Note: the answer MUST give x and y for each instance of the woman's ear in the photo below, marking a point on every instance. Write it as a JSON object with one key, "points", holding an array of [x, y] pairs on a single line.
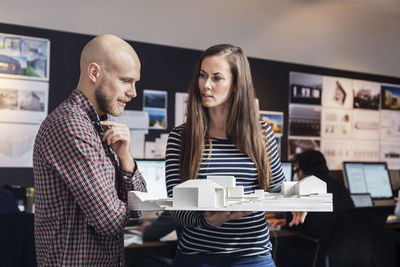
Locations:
{"points": [[94, 72]]}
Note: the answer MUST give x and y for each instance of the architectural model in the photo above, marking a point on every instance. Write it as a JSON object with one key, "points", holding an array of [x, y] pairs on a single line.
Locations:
{"points": [[220, 193]]}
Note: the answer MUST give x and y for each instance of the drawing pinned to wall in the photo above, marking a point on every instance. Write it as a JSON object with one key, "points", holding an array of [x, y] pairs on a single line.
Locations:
{"points": [[24, 57], [365, 124], [390, 97], [180, 108], [155, 103], [16, 144], [337, 92], [390, 152], [299, 145], [274, 119], [305, 120], [366, 94], [336, 123], [390, 125], [305, 88], [23, 101]]}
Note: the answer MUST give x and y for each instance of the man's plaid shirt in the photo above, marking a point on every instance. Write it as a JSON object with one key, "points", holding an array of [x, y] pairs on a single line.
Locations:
{"points": [[80, 190]]}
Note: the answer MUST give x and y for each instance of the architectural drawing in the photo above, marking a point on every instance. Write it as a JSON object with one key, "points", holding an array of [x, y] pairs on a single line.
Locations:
{"points": [[220, 193]]}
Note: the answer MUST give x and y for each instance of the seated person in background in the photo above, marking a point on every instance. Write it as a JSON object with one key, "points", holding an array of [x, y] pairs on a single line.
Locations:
{"points": [[163, 225], [8, 204], [317, 224]]}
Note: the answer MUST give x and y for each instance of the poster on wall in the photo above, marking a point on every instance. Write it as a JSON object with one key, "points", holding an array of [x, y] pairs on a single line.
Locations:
{"points": [[337, 92], [24, 57], [390, 97], [366, 94], [305, 88], [23, 101], [365, 124], [274, 119], [390, 152], [304, 120], [180, 108], [336, 123], [16, 144], [337, 151], [390, 126], [155, 104]]}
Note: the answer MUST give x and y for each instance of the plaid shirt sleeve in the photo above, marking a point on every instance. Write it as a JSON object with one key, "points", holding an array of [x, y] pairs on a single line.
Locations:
{"points": [[74, 148]]}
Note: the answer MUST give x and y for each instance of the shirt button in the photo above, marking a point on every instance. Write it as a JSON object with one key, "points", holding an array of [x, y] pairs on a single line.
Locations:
{"points": [[125, 177]]}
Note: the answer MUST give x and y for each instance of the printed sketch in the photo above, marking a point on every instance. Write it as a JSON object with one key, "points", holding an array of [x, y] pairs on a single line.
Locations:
{"points": [[390, 125], [23, 101], [219, 193], [16, 144], [365, 124], [337, 92], [336, 123], [390, 153]]}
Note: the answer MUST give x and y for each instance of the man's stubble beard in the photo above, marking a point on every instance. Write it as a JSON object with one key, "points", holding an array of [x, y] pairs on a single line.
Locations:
{"points": [[105, 103]]}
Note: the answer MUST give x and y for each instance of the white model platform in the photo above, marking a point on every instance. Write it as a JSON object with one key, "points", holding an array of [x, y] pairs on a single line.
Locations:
{"points": [[220, 193]]}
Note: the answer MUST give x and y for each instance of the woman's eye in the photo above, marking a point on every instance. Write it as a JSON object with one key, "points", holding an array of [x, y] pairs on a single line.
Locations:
{"points": [[202, 75], [217, 78]]}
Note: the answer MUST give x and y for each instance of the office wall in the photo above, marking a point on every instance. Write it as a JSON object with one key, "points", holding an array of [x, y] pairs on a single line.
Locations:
{"points": [[350, 35], [163, 68]]}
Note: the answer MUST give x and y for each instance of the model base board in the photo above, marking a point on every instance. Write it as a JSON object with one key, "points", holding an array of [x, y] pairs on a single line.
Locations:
{"points": [[220, 193]]}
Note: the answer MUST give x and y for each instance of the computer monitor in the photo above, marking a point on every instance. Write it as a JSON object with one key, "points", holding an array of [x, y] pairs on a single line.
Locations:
{"points": [[287, 168], [153, 171], [368, 177]]}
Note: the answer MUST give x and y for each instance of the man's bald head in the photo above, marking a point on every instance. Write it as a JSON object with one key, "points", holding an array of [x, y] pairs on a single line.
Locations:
{"points": [[107, 50], [110, 68]]}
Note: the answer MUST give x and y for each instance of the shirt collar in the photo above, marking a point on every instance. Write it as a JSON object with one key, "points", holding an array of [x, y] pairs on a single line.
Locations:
{"points": [[87, 106]]}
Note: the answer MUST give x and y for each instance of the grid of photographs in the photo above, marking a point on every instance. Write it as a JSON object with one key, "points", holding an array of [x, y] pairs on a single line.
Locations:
{"points": [[24, 91], [348, 120]]}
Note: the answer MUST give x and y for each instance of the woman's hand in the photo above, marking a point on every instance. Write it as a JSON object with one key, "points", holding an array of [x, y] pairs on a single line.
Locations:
{"points": [[217, 218], [298, 217]]}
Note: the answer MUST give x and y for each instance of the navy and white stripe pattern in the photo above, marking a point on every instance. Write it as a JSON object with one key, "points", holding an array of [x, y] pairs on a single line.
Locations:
{"points": [[248, 236]]}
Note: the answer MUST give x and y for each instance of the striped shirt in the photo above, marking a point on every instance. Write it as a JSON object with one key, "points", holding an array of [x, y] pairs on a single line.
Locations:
{"points": [[247, 236], [80, 190]]}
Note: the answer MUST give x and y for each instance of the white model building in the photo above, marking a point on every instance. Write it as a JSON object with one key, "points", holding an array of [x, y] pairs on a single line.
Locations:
{"points": [[218, 193]]}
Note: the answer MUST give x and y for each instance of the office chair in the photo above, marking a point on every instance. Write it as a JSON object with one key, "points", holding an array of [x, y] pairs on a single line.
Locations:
{"points": [[352, 242], [17, 244]]}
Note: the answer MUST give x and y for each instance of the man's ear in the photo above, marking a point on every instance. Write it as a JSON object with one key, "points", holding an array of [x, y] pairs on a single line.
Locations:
{"points": [[94, 72]]}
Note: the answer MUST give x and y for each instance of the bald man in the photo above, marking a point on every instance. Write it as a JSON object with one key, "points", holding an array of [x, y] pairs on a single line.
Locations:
{"points": [[82, 163]]}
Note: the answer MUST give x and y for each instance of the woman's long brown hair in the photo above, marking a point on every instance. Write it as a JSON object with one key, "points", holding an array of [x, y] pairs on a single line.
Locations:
{"points": [[242, 127]]}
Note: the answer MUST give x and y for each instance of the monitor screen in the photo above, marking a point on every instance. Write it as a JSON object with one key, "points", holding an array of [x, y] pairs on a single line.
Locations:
{"points": [[153, 172], [368, 177], [287, 168]]}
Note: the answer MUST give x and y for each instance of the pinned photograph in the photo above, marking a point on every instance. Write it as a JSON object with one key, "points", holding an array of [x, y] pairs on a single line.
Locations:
{"points": [[157, 118], [154, 99], [390, 97], [24, 57], [305, 88], [305, 120], [366, 94], [274, 119]]}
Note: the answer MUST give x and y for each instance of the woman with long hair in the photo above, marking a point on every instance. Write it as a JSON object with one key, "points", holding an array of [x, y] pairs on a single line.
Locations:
{"points": [[223, 136]]}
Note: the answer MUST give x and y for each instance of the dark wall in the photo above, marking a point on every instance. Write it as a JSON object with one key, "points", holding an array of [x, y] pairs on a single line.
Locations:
{"points": [[163, 68]]}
